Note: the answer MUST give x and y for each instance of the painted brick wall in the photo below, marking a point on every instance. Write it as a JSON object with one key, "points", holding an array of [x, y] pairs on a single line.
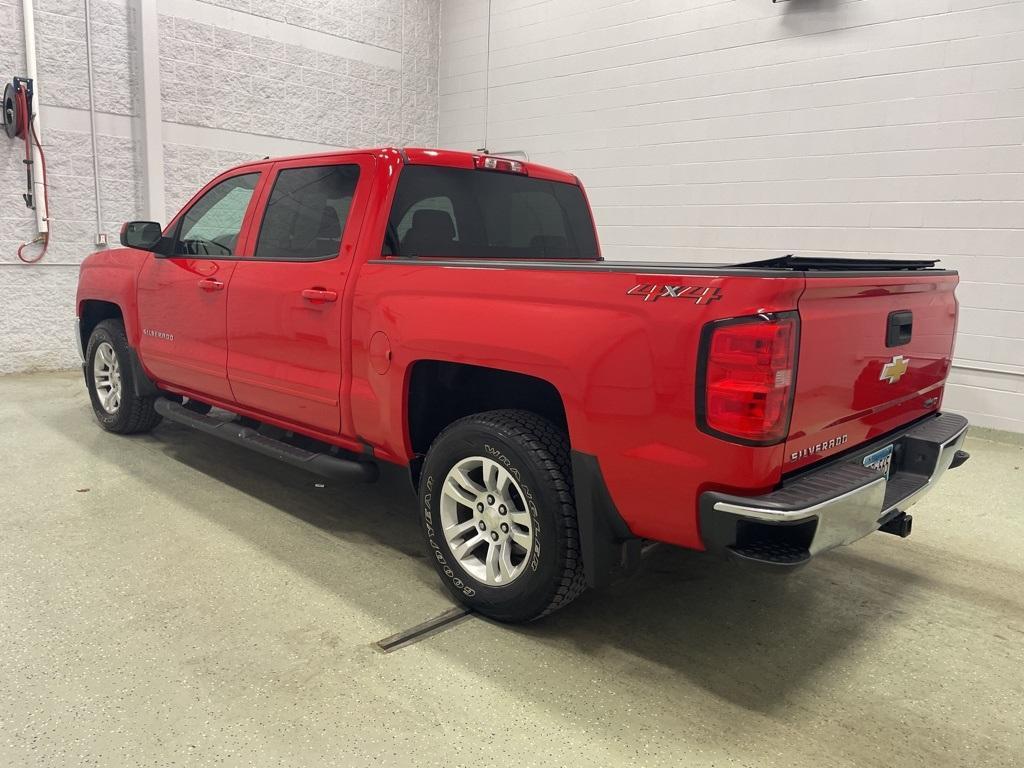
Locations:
{"points": [[38, 301], [361, 72], [378, 22], [717, 130]]}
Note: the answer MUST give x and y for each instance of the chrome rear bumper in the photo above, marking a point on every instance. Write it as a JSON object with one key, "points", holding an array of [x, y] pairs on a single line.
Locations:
{"points": [[835, 504]]}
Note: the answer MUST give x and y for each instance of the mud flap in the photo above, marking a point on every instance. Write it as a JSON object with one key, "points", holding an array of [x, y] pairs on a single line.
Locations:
{"points": [[609, 548]]}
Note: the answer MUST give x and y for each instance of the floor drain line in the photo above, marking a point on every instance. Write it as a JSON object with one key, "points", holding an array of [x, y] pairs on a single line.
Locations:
{"points": [[429, 627]]}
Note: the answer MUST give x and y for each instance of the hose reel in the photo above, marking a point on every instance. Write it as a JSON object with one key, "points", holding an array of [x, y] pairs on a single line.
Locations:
{"points": [[17, 116], [17, 107], [17, 123]]}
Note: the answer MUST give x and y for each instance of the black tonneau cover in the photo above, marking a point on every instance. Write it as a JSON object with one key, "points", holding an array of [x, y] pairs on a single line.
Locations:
{"points": [[784, 266], [815, 263]]}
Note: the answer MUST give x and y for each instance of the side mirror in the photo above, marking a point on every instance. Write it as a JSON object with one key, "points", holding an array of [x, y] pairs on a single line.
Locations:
{"points": [[144, 235]]}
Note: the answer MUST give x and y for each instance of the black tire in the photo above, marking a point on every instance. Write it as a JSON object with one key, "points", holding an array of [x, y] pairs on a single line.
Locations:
{"points": [[134, 414], [536, 453]]}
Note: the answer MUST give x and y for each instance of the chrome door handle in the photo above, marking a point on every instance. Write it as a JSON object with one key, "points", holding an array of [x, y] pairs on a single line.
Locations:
{"points": [[210, 284]]}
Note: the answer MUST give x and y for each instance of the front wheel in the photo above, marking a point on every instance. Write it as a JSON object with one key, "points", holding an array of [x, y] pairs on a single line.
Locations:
{"points": [[110, 378], [499, 517]]}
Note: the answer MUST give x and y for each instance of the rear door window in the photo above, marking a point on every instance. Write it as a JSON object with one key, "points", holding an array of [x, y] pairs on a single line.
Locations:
{"points": [[460, 212], [307, 211]]}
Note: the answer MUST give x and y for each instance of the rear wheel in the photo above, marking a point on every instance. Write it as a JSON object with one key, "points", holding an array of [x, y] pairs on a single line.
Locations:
{"points": [[498, 514], [110, 379]]}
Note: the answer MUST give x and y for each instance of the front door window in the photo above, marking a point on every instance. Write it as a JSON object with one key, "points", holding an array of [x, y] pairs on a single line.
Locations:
{"points": [[211, 226]]}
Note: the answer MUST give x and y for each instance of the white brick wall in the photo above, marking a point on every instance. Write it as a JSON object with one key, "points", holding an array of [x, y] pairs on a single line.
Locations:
{"points": [[717, 130], [358, 72]]}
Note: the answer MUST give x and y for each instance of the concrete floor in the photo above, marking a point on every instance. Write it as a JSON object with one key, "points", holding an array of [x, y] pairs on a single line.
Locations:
{"points": [[169, 599]]}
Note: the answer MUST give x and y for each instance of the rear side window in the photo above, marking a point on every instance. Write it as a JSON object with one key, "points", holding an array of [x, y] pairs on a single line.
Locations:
{"points": [[306, 213], [486, 214]]}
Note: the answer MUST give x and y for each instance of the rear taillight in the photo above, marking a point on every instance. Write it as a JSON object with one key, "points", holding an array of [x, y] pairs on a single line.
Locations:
{"points": [[749, 364]]}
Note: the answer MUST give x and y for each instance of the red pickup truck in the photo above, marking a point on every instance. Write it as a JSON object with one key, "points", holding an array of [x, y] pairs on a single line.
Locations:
{"points": [[451, 312]]}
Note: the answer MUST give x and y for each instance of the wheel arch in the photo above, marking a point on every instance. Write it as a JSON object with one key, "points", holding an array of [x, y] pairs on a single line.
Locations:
{"points": [[440, 392], [92, 312]]}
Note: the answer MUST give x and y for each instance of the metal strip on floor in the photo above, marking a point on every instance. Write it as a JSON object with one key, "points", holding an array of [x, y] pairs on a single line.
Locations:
{"points": [[449, 618]]}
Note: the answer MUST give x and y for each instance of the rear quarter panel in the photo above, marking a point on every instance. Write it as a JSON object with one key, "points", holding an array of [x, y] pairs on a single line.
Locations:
{"points": [[625, 368]]}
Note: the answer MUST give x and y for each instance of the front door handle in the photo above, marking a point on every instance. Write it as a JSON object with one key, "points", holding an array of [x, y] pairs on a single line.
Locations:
{"points": [[319, 294], [211, 284]]}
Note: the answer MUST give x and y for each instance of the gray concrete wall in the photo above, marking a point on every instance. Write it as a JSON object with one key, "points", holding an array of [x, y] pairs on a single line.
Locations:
{"points": [[358, 73], [718, 130]]}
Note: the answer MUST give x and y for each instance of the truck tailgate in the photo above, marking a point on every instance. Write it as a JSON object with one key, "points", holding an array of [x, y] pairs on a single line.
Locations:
{"points": [[874, 355]]}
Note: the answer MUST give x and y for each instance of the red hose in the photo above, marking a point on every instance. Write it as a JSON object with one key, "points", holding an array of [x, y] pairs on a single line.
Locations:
{"points": [[27, 130]]}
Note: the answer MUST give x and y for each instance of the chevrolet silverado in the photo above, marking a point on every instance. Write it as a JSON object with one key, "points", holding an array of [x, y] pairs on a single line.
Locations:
{"points": [[451, 313]]}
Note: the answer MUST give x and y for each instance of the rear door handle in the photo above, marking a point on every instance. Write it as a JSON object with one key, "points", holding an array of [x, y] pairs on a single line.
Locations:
{"points": [[319, 294], [211, 284]]}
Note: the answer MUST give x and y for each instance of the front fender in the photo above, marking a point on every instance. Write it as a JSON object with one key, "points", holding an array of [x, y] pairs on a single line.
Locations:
{"points": [[111, 276]]}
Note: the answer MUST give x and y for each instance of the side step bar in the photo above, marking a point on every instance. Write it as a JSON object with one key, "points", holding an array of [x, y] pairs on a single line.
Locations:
{"points": [[323, 464]]}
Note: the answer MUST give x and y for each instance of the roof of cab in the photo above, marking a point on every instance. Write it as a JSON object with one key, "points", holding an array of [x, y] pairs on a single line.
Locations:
{"points": [[422, 156]]}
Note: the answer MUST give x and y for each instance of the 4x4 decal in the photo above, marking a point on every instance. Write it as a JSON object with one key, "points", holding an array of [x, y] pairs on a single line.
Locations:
{"points": [[697, 293]]}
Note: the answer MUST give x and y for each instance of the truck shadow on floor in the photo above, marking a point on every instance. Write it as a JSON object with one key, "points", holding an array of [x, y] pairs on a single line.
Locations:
{"points": [[753, 638], [750, 638]]}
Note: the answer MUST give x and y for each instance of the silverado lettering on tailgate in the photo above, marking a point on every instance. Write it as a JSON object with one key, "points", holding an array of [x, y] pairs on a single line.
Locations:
{"points": [[827, 445]]}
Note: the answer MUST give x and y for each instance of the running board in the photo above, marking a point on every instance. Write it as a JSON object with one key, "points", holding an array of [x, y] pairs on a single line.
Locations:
{"points": [[323, 464]]}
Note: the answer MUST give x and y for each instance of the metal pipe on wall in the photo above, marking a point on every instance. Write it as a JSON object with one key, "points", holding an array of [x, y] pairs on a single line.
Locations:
{"points": [[152, 120], [29, 28], [92, 123]]}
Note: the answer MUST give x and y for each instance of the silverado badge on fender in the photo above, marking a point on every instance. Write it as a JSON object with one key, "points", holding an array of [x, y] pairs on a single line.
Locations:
{"points": [[893, 370], [696, 293]]}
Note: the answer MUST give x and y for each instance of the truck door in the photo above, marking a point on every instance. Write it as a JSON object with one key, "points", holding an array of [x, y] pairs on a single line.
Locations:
{"points": [[182, 297], [286, 304]]}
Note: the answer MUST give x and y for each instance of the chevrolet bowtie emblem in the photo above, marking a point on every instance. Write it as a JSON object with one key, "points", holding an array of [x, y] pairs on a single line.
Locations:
{"points": [[893, 370]]}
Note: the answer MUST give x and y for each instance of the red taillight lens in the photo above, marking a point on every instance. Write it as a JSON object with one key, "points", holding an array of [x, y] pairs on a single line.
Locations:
{"points": [[750, 372]]}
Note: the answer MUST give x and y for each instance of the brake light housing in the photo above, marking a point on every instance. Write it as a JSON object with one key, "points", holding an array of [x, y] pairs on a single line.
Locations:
{"points": [[747, 377], [491, 163]]}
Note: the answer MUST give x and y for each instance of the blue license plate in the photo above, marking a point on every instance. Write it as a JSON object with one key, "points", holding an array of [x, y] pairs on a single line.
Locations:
{"points": [[880, 460]]}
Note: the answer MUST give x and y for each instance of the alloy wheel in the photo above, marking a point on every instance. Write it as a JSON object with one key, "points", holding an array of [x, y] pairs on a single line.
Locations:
{"points": [[106, 373], [486, 521]]}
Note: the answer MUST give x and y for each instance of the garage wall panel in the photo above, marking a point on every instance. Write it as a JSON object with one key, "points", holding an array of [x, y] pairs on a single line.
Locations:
{"points": [[725, 130], [38, 300], [240, 79]]}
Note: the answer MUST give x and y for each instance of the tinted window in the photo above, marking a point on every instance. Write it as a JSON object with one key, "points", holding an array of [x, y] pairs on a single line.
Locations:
{"points": [[211, 226], [306, 213], [486, 214], [427, 204]]}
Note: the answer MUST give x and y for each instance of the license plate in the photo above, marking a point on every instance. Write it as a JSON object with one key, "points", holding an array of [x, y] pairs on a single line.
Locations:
{"points": [[880, 460]]}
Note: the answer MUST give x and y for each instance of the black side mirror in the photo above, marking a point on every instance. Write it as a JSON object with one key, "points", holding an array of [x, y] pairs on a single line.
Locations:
{"points": [[144, 235]]}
